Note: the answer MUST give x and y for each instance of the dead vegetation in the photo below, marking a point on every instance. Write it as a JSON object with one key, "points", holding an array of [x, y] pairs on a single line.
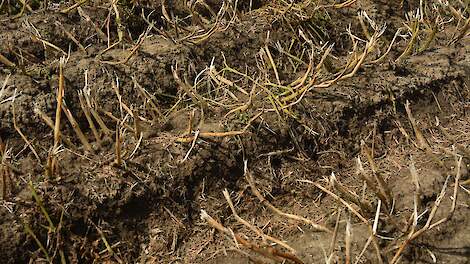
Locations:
{"points": [[124, 121]]}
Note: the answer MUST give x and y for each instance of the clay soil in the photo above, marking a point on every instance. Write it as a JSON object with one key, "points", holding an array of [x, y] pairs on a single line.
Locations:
{"points": [[234, 131]]}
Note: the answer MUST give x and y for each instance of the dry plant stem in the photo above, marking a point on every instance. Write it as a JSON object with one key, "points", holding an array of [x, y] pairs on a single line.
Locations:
{"points": [[189, 129], [3, 183], [383, 188], [76, 128], [415, 179], [433, 27], [30, 232], [367, 49], [347, 240], [454, 197], [462, 32], [41, 206], [6, 61], [72, 7], [349, 195], [374, 240], [137, 145], [2, 90], [273, 98], [337, 198], [105, 241], [197, 99], [25, 139], [358, 258], [186, 139], [46, 43], [273, 64], [95, 114], [205, 36], [70, 36], [219, 79], [99, 32], [60, 95], [255, 229], [117, 120], [119, 29], [216, 77], [301, 81], [414, 38], [381, 58], [50, 124], [345, 4], [4, 172], [118, 95], [365, 30], [370, 182], [141, 39], [335, 235], [305, 88], [196, 135], [159, 31], [100, 122], [62, 257], [377, 217], [118, 146], [428, 226], [25, 5], [58, 233], [266, 203], [87, 113], [269, 252], [150, 99], [467, 182], [51, 165], [137, 126], [245, 106], [421, 141]]}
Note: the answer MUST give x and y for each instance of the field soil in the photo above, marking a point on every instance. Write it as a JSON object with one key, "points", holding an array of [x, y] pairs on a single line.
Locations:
{"points": [[234, 131]]}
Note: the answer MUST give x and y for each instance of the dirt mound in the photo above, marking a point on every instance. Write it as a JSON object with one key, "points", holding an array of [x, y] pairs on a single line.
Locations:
{"points": [[234, 131]]}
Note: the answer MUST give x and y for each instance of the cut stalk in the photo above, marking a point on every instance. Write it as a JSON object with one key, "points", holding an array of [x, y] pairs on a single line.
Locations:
{"points": [[86, 111], [117, 146], [60, 95], [76, 128]]}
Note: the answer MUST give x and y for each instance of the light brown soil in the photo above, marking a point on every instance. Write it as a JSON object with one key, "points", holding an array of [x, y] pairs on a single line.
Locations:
{"points": [[148, 208]]}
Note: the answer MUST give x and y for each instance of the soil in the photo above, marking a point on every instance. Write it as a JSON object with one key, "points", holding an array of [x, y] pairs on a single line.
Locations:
{"points": [[191, 105]]}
